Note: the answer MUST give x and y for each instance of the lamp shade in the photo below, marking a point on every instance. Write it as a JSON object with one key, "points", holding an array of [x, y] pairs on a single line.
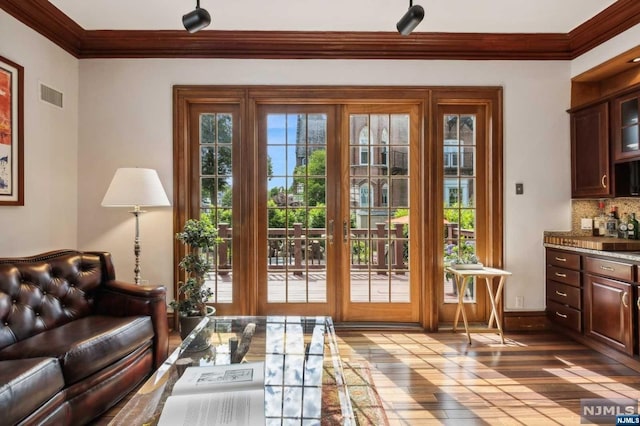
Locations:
{"points": [[132, 187]]}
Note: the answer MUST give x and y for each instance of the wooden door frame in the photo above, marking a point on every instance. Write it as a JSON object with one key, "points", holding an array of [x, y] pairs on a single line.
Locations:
{"points": [[248, 97], [490, 99]]}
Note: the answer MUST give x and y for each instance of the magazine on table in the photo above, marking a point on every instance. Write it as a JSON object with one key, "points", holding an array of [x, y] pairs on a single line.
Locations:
{"points": [[227, 395]]}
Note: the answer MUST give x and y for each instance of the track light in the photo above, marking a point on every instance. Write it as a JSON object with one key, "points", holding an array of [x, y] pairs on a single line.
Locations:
{"points": [[411, 19], [197, 19]]}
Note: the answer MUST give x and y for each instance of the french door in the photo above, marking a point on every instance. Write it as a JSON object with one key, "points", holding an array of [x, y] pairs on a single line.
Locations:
{"points": [[378, 214], [296, 205], [335, 211]]}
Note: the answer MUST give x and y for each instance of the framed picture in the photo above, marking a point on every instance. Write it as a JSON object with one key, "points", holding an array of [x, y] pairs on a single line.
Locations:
{"points": [[11, 133]]}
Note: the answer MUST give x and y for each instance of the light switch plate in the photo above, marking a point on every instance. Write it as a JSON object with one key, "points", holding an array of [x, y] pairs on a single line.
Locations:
{"points": [[519, 188]]}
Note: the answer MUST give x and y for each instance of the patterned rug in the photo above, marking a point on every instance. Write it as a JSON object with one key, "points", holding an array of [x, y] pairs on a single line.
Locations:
{"points": [[366, 403]]}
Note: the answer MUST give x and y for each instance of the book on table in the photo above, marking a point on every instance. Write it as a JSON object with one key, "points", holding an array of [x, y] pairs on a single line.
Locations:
{"points": [[226, 395]]}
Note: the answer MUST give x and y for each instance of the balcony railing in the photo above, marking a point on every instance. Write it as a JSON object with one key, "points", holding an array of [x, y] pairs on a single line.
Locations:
{"points": [[298, 249]]}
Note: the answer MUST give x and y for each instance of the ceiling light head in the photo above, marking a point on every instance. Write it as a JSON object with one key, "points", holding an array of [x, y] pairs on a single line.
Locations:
{"points": [[411, 19], [197, 19]]}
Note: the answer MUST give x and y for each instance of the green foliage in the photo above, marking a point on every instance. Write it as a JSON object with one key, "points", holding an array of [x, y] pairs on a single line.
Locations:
{"points": [[312, 178], [464, 217], [360, 250], [318, 216]]}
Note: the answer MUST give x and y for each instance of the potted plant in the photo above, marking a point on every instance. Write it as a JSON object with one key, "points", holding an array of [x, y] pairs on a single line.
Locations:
{"points": [[461, 257], [200, 238]]}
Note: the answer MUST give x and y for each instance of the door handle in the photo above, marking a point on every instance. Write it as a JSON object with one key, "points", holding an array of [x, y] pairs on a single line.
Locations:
{"points": [[561, 315], [344, 231], [330, 233], [625, 302], [558, 274], [561, 294], [604, 181]]}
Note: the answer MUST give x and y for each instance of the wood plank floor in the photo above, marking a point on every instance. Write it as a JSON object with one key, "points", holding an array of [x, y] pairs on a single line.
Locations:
{"points": [[438, 378]]}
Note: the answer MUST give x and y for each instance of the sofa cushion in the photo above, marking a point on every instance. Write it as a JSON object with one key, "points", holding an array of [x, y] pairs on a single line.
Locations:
{"points": [[43, 292], [86, 345], [27, 384]]}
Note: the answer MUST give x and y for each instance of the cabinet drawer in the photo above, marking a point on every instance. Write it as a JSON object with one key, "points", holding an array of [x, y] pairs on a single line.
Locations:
{"points": [[563, 275], [564, 294], [564, 316], [610, 268], [563, 259]]}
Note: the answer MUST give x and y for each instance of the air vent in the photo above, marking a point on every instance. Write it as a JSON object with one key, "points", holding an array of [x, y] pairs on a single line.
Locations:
{"points": [[51, 96]]}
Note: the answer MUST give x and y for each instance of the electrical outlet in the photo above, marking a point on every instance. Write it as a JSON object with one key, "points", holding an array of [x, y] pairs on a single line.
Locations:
{"points": [[519, 302]]}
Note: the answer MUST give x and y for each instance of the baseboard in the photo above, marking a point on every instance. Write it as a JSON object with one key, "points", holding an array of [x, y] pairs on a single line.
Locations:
{"points": [[525, 321]]}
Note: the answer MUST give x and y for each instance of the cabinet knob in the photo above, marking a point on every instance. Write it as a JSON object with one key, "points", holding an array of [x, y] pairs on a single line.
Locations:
{"points": [[625, 302], [604, 181], [607, 268], [561, 259], [561, 315], [561, 294], [558, 274]]}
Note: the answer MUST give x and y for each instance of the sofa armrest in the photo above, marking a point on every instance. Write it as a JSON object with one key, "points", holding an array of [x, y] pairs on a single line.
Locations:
{"points": [[118, 298]]}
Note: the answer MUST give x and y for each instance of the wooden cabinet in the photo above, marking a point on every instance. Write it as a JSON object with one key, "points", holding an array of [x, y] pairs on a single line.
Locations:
{"points": [[594, 296], [590, 167], [624, 124], [608, 312], [564, 293]]}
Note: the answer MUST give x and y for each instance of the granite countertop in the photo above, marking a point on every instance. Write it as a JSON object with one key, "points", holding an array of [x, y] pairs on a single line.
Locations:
{"points": [[624, 255]]}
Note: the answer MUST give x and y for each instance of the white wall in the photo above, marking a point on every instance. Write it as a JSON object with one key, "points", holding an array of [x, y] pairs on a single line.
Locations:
{"points": [[48, 219], [126, 120]]}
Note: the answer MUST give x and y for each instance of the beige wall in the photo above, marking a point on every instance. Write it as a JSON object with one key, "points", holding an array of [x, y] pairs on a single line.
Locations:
{"points": [[48, 219], [125, 119]]}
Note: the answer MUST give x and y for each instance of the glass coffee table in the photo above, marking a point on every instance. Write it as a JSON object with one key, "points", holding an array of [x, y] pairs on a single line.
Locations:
{"points": [[304, 382]]}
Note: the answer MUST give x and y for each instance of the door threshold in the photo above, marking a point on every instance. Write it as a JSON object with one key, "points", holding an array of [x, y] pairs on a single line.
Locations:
{"points": [[372, 326]]}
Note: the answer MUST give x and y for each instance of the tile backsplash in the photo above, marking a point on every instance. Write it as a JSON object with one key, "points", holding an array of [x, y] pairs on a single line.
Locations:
{"points": [[589, 209]]}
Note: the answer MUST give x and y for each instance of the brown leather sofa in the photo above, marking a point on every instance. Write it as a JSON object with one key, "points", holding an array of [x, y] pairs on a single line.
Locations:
{"points": [[73, 339]]}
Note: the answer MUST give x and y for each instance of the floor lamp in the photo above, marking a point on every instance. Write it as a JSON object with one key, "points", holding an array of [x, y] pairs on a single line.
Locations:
{"points": [[135, 188]]}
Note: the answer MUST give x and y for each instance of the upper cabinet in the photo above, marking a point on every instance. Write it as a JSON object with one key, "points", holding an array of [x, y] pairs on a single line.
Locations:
{"points": [[590, 167], [624, 123]]}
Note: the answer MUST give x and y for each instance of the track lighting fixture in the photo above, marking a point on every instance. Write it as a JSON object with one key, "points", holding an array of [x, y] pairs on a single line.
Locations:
{"points": [[411, 19], [197, 19]]}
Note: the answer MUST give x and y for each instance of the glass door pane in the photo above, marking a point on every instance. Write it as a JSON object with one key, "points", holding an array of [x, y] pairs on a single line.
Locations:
{"points": [[216, 186], [459, 198], [296, 207], [380, 215]]}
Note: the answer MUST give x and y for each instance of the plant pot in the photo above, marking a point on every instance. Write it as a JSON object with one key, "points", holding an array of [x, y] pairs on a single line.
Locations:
{"points": [[188, 323], [463, 266]]}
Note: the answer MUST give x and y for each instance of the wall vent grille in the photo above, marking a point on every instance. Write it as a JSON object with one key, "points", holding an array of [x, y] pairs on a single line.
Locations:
{"points": [[51, 96]]}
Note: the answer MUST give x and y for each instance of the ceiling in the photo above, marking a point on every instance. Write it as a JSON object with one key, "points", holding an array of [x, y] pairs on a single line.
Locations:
{"points": [[329, 29], [484, 16]]}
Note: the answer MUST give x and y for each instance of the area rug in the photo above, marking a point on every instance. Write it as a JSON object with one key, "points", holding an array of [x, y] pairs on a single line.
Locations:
{"points": [[366, 403]]}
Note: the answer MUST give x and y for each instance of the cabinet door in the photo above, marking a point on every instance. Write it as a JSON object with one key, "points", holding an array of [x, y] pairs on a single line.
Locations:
{"points": [[626, 142], [608, 312], [590, 175]]}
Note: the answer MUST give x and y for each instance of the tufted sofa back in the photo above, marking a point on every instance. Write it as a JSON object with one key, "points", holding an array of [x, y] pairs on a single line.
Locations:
{"points": [[42, 292]]}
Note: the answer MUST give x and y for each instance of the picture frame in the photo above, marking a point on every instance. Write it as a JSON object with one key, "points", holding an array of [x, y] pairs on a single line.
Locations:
{"points": [[11, 133]]}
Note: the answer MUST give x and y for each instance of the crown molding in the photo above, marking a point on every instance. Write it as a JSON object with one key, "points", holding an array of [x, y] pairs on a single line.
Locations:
{"points": [[49, 21], [615, 19], [322, 45]]}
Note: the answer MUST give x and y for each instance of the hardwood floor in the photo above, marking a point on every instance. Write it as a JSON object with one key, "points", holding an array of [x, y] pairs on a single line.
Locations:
{"points": [[437, 378]]}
